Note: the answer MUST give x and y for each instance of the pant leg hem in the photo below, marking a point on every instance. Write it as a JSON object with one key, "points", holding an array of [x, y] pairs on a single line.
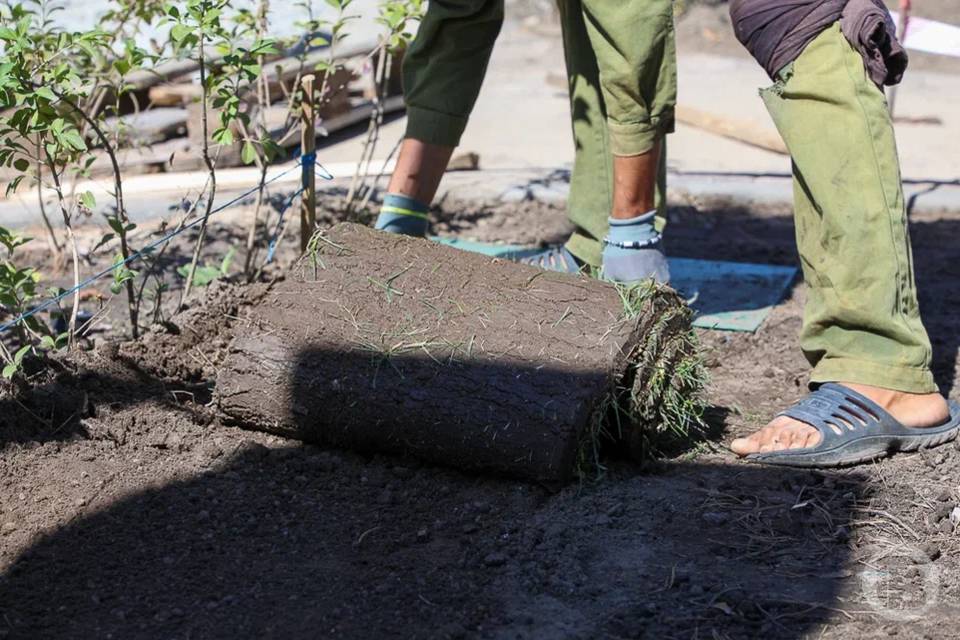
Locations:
{"points": [[434, 127], [585, 248], [876, 374], [638, 138]]}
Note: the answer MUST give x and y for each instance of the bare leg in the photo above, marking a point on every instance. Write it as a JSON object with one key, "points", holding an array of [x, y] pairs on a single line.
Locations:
{"points": [[635, 184], [632, 251], [419, 170]]}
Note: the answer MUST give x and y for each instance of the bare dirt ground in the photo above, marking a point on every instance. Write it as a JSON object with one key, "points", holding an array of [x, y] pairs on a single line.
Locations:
{"points": [[128, 510]]}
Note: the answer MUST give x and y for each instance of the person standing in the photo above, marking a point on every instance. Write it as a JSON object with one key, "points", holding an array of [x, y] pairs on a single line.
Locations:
{"points": [[873, 391]]}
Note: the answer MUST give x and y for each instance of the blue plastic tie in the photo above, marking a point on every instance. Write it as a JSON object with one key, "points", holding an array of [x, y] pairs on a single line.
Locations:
{"points": [[307, 160]]}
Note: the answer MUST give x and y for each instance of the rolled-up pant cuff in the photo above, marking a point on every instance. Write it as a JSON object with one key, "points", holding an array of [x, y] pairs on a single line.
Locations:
{"points": [[638, 138], [434, 127], [586, 249], [875, 374]]}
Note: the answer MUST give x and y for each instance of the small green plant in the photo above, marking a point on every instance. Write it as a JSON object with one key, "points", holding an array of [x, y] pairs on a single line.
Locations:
{"points": [[18, 291], [64, 94], [56, 89], [18, 285], [197, 29], [206, 273]]}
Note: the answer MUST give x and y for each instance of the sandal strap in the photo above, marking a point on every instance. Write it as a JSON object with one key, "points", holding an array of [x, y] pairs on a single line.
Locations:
{"points": [[551, 258], [832, 408]]}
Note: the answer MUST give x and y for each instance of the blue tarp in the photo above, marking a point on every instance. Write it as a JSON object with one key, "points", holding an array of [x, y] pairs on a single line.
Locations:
{"points": [[726, 296]]}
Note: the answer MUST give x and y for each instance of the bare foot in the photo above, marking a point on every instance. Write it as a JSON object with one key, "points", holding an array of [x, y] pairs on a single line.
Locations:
{"points": [[911, 409]]}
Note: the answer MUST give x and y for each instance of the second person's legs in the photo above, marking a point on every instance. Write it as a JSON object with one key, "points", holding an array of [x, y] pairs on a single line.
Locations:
{"points": [[591, 184], [634, 46]]}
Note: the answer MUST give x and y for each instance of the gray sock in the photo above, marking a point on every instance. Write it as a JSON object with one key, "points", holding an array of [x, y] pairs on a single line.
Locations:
{"points": [[632, 251]]}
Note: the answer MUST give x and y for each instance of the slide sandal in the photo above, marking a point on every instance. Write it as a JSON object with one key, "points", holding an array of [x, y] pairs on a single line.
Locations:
{"points": [[853, 429], [550, 259]]}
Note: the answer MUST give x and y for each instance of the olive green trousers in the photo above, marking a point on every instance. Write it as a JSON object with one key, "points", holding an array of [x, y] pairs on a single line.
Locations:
{"points": [[862, 321], [621, 68]]}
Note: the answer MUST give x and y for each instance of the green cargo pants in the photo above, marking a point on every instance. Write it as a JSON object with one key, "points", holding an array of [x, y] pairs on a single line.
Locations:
{"points": [[862, 321], [621, 65]]}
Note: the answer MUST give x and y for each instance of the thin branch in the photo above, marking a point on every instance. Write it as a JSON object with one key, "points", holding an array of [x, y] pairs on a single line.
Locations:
{"points": [[72, 239], [118, 197], [211, 170], [51, 234]]}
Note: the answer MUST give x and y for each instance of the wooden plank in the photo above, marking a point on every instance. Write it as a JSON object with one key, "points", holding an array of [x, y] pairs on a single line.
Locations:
{"points": [[174, 69], [739, 130], [174, 95], [148, 127]]}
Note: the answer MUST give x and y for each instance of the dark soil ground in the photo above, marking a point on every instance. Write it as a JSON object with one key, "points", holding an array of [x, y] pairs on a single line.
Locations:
{"points": [[128, 510]]}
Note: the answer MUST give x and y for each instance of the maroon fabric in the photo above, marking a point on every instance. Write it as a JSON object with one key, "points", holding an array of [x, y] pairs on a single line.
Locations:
{"points": [[869, 27], [776, 32]]}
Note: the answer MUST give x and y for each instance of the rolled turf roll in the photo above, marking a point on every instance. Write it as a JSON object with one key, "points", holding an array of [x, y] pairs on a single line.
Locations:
{"points": [[385, 343]]}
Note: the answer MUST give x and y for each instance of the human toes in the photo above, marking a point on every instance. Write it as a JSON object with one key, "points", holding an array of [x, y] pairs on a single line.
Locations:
{"points": [[782, 433]]}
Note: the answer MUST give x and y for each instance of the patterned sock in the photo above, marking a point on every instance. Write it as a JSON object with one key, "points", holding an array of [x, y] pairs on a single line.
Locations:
{"points": [[404, 215], [632, 251]]}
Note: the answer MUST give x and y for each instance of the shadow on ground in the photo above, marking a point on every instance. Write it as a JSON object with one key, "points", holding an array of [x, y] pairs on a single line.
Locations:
{"points": [[304, 543], [63, 402]]}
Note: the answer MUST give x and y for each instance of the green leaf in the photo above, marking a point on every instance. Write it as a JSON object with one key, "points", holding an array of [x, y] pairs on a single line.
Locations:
{"points": [[107, 237], [21, 352], [227, 261], [204, 274], [46, 93], [88, 200], [249, 152], [72, 138], [271, 149], [9, 370], [223, 136], [179, 32], [21, 164]]}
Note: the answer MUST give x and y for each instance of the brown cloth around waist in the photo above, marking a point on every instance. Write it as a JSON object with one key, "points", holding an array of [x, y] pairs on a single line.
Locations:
{"points": [[776, 32]]}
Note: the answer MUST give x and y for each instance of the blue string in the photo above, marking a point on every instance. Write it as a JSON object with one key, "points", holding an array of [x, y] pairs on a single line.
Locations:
{"points": [[308, 160], [274, 239]]}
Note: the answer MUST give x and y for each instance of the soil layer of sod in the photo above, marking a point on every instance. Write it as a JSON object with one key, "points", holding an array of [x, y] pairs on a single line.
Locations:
{"points": [[129, 510]]}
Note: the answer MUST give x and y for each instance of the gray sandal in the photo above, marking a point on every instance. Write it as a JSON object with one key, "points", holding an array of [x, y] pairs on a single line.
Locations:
{"points": [[854, 429], [555, 258]]}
